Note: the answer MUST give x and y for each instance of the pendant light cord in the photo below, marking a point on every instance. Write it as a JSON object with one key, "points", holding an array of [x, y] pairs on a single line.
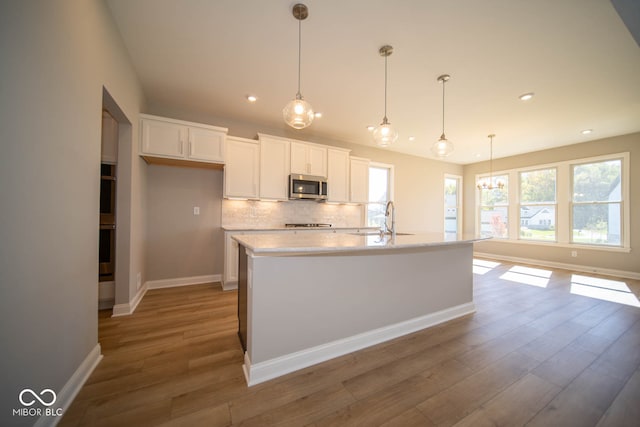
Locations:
{"points": [[385, 89], [299, 54], [443, 82]]}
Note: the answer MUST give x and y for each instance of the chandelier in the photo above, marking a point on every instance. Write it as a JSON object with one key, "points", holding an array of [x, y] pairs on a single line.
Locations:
{"points": [[485, 184]]}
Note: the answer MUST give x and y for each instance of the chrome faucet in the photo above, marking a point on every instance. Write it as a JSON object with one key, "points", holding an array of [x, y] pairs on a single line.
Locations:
{"points": [[390, 211]]}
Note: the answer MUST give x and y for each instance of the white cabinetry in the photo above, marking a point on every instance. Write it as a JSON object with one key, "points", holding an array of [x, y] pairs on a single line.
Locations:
{"points": [[359, 180], [179, 140], [308, 159], [274, 167], [338, 175], [242, 168], [109, 139], [230, 279]]}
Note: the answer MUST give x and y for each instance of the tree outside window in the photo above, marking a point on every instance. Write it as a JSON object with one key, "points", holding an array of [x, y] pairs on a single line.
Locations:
{"points": [[597, 203], [538, 205], [494, 209]]}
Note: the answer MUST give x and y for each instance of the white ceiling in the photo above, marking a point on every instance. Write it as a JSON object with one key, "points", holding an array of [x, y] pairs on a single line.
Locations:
{"points": [[576, 55]]}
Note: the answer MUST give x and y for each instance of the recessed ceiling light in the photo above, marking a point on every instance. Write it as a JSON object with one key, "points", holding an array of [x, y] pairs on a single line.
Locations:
{"points": [[370, 128], [526, 96], [586, 131], [317, 115], [252, 98], [412, 138]]}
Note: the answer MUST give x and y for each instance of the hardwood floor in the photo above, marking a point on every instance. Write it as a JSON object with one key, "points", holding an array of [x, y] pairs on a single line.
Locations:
{"points": [[530, 355]]}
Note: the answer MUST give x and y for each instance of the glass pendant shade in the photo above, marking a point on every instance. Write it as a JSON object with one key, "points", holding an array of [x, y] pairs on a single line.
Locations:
{"points": [[298, 113], [384, 135], [442, 147]]}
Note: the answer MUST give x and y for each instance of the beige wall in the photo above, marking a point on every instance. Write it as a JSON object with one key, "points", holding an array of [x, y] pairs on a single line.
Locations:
{"points": [[56, 58], [600, 260], [179, 243]]}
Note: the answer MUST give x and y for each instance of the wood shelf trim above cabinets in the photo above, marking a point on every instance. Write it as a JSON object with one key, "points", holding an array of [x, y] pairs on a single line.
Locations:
{"points": [[152, 160]]}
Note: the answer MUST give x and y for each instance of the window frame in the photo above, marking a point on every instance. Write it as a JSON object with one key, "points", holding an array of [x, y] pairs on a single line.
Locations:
{"points": [[522, 204], [459, 202], [572, 203], [390, 183], [564, 188]]}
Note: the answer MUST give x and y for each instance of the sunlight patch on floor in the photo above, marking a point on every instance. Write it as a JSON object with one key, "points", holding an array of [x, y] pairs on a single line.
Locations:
{"points": [[528, 276], [603, 289], [481, 266]]}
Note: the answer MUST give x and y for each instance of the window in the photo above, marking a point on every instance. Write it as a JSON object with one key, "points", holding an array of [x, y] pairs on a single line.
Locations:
{"points": [[596, 214], [538, 205], [581, 202], [380, 192], [452, 210], [494, 209]]}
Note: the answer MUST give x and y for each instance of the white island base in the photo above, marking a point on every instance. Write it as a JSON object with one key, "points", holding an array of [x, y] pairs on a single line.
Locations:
{"points": [[302, 305]]}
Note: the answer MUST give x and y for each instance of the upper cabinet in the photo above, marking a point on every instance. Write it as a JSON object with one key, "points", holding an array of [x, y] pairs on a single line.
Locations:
{"points": [[275, 155], [164, 138], [242, 168], [308, 159], [359, 180], [338, 175], [109, 139]]}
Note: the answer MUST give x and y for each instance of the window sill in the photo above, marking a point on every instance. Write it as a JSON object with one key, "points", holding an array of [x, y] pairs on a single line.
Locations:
{"points": [[562, 245]]}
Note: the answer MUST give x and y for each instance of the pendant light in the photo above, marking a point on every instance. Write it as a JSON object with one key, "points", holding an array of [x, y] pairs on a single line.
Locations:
{"points": [[442, 147], [298, 113], [385, 135], [483, 184]]}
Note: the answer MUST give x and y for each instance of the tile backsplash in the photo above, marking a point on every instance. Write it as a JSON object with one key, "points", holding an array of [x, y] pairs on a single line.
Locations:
{"points": [[253, 213]]}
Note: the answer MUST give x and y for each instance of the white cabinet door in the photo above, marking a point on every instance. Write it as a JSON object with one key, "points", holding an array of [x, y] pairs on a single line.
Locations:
{"points": [[299, 162], [359, 180], [109, 139], [241, 170], [317, 158], [274, 168], [230, 262], [338, 175], [163, 139], [308, 159], [206, 145]]}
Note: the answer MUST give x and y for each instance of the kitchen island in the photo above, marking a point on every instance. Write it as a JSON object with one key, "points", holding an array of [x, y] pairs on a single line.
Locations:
{"points": [[306, 298]]}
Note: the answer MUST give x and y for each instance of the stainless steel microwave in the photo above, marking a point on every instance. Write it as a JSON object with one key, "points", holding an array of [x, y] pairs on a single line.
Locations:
{"points": [[307, 187]]}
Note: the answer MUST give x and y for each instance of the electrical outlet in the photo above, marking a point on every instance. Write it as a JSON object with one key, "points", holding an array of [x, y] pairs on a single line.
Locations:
{"points": [[574, 253], [196, 210]]}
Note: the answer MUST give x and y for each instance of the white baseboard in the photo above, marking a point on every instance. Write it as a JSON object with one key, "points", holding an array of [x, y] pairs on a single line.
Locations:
{"points": [[229, 286], [183, 281], [571, 267], [130, 307], [71, 389], [269, 369]]}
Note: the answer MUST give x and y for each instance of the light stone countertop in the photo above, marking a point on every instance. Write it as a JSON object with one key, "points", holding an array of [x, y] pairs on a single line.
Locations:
{"points": [[283, 228], [273, 244]]}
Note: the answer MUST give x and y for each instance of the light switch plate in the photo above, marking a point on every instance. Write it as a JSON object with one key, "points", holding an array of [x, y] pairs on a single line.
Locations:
{"points": [[196, 210]]}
